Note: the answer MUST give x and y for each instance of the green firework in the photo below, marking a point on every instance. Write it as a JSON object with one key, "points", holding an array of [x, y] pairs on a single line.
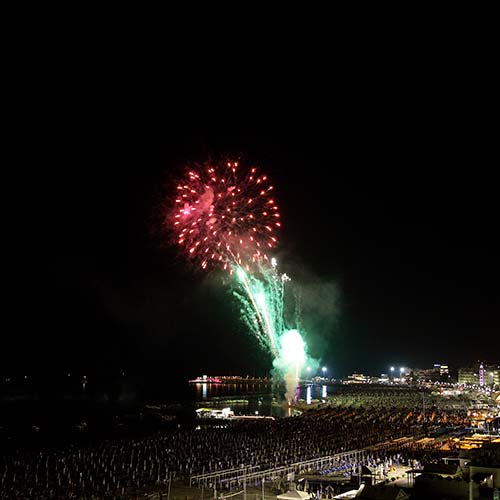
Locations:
{"points": [[262, 298]]}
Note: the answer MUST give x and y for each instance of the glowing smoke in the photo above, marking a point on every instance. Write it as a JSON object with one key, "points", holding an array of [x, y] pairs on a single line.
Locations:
{"points": [[290, 360]]}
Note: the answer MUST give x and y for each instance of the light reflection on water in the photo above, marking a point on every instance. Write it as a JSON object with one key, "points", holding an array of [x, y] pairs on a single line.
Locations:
{"points": [[249, 398]]}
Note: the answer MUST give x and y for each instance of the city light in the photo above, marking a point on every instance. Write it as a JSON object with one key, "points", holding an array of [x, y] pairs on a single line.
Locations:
{"points": [[392, 368]]}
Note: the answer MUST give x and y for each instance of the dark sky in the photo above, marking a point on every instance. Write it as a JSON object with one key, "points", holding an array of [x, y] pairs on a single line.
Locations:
{"points": [[390, 220]]}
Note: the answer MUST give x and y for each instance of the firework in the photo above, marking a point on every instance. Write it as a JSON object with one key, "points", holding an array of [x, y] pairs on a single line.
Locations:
{"points": [[225, 214], [261, 296], [262, 299]]}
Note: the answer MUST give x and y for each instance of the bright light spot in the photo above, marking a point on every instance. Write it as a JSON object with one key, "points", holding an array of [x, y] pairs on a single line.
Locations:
{"points": [[293, 347], [274, 262], [260, 298]]}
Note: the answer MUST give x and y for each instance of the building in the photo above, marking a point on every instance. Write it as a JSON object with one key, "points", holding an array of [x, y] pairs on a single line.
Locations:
{"points": [[438, 373], [481, 374], [468, 376], [214, 413], [444, 370], [492, 376]]}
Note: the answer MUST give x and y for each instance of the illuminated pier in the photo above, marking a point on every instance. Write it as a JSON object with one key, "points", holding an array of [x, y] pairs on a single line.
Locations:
{"points": [[229, 379]]}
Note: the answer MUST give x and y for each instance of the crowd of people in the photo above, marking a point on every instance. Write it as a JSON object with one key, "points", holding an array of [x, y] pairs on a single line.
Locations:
{"points": [[128, 467]]}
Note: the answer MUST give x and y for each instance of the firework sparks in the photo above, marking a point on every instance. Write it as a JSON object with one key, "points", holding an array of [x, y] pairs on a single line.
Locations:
{"points": [[262, 304], [225, 214]]}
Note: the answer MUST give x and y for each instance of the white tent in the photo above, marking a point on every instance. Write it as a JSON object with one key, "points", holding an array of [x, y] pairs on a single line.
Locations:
{"points": [[348, 495], [294, 495], [382, 493]]}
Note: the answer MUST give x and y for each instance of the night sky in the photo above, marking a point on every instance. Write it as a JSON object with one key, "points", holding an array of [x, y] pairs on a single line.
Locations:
{"points": [[390, 226]]}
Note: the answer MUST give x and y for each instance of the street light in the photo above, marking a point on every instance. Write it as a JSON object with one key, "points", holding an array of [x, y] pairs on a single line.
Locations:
{"points": [[323, 370], [392, 368], [401, 370]]}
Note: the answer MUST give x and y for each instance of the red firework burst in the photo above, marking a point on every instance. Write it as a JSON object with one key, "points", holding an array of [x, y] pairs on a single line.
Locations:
{"points": [[225, 214]]}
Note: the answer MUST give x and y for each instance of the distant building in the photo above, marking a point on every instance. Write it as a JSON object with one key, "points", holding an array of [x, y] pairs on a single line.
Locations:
{"points": [[492, 375], [468, 376], [441, 370], [214, 413], [482, 375], [427, 374]]}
